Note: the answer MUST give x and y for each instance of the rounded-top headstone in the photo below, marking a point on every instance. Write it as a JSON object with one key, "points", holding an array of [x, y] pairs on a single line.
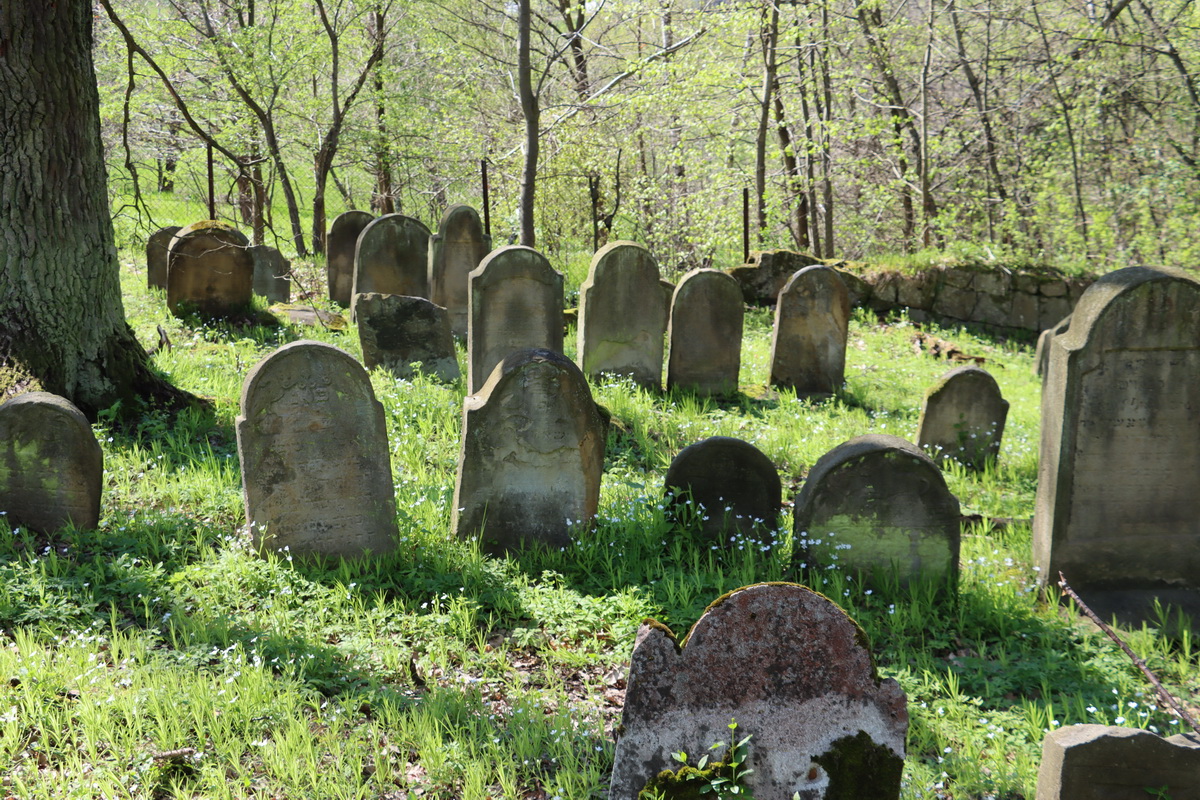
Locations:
{"points": [[339, 254], [454, 253], [734, 485], [210, 269], [808, 344], [392, 257], [963, 418], [157, 252], [705, 333], [51, 465]]}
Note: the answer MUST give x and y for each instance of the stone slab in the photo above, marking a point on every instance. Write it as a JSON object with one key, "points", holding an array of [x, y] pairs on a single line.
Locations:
{"points": [[405, 335], [1101, 762]]}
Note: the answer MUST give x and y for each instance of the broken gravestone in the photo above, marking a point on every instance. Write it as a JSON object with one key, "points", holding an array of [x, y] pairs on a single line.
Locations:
{"points": [[726, 487], [210, 270], [766, 272], [457, 249], [398, 333], [705, 333], [793, 671], [157, 250], [392, 257], [808, 343], [314, 455], [963, 418], [1099, 762], [339, 254], [532, 455], [272, 274], [50, 464]]}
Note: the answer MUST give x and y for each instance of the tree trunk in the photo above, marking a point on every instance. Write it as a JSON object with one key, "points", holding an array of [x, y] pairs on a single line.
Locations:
{"points": [[769, 36], [531, 110], [62, 324]]}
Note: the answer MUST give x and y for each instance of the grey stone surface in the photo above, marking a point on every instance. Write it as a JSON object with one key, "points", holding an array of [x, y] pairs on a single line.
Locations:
{"points": [[808, 344], [1052, 309], [210, 270], [51, 465], [456, 251], [532, 455], [157, 252], [705, 332], [313, 449], [963, 418], [1024, 311], [392, 257], [339, 254], [1099, 762], [1041, 356], [790, 667], [271, 274], [405, 334], [728, 487], [956, 302], [765, 274]]}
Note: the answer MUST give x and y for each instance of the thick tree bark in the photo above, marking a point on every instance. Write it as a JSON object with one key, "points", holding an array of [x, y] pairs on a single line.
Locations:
{"points": [[62, 324], [532, 112]]}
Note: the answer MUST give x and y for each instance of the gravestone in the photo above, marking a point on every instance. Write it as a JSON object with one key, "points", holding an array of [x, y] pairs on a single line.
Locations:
{"points": [[454, 253], [392, 257], [1099, 762], [705, 333], [808, 343], [339, 254], [516, 303], [1041, 356], [51, 465], [877, 503], [157, 250], [210, 270], [963, 418], [792, 669], [271, 274], [532, 455], [398, 332], [1117, 510], [766, 272], [735, 486], [622, 318], [313, 449]]}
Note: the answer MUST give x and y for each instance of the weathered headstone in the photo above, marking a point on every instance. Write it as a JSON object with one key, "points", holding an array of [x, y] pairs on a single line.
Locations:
{"points": [[621, 315], [157, 251], [963, 418], [874, 504], [392, 257], [766, 272], [272, 274], [734, 485], [314, 455], [1098, 762], [1041, 356], [532, 454], [454, 253], [516, 303], [398, 332], [808, 344], [339, 254], [791, 668], [1118, 509], [210, 270], [51, 465], [705, 333]]}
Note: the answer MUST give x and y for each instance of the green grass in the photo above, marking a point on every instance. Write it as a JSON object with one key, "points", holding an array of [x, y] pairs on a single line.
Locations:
{"points": [[157, 657]]}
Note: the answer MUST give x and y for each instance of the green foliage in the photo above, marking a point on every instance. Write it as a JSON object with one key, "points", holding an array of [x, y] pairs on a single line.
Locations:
{"points": [[721, 779]]}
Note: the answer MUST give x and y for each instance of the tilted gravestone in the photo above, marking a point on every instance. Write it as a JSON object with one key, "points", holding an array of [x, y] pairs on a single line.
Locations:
{"points": [[791, 668], [532, 454], [516, 303], [808, 344], [621, 316], [210, 270], [727, 486], [875, 504], [339, 254], [398, 332], [314, 455], [454, 253], [705, 333], [1117, 510], [51, 465], [271, 274], [392, 257], [963, 418], [1099, 762], [157, 251]]}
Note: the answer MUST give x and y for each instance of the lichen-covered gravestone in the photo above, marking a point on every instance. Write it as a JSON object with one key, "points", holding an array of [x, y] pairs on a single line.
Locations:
{"points": [[963, 418], [1099, 762], [392, 257], [808, 344], [457, 249], [157, 252], [1118, 505], [532, 454], [339, 254], [397, 332], [705, 333], [271, 274], [727, 486], [50, 464], [210, 270], [621, 316], [794, 672], [314, 455], [874, 504], [516, 303]]}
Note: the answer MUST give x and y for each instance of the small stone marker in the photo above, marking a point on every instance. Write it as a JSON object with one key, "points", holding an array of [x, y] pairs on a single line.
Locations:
{"points": [[392, 257], [963, 418], [516, 304], [1099, 762], [622, 318], [808, 344], [454, 253], [271, 274], [210, 270], [532, 455], [339, 254], [705, 332], [157, 250], [876, 503], [789, 666], [50, 464], [397, 332], [314, 455], [734, 483]]}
